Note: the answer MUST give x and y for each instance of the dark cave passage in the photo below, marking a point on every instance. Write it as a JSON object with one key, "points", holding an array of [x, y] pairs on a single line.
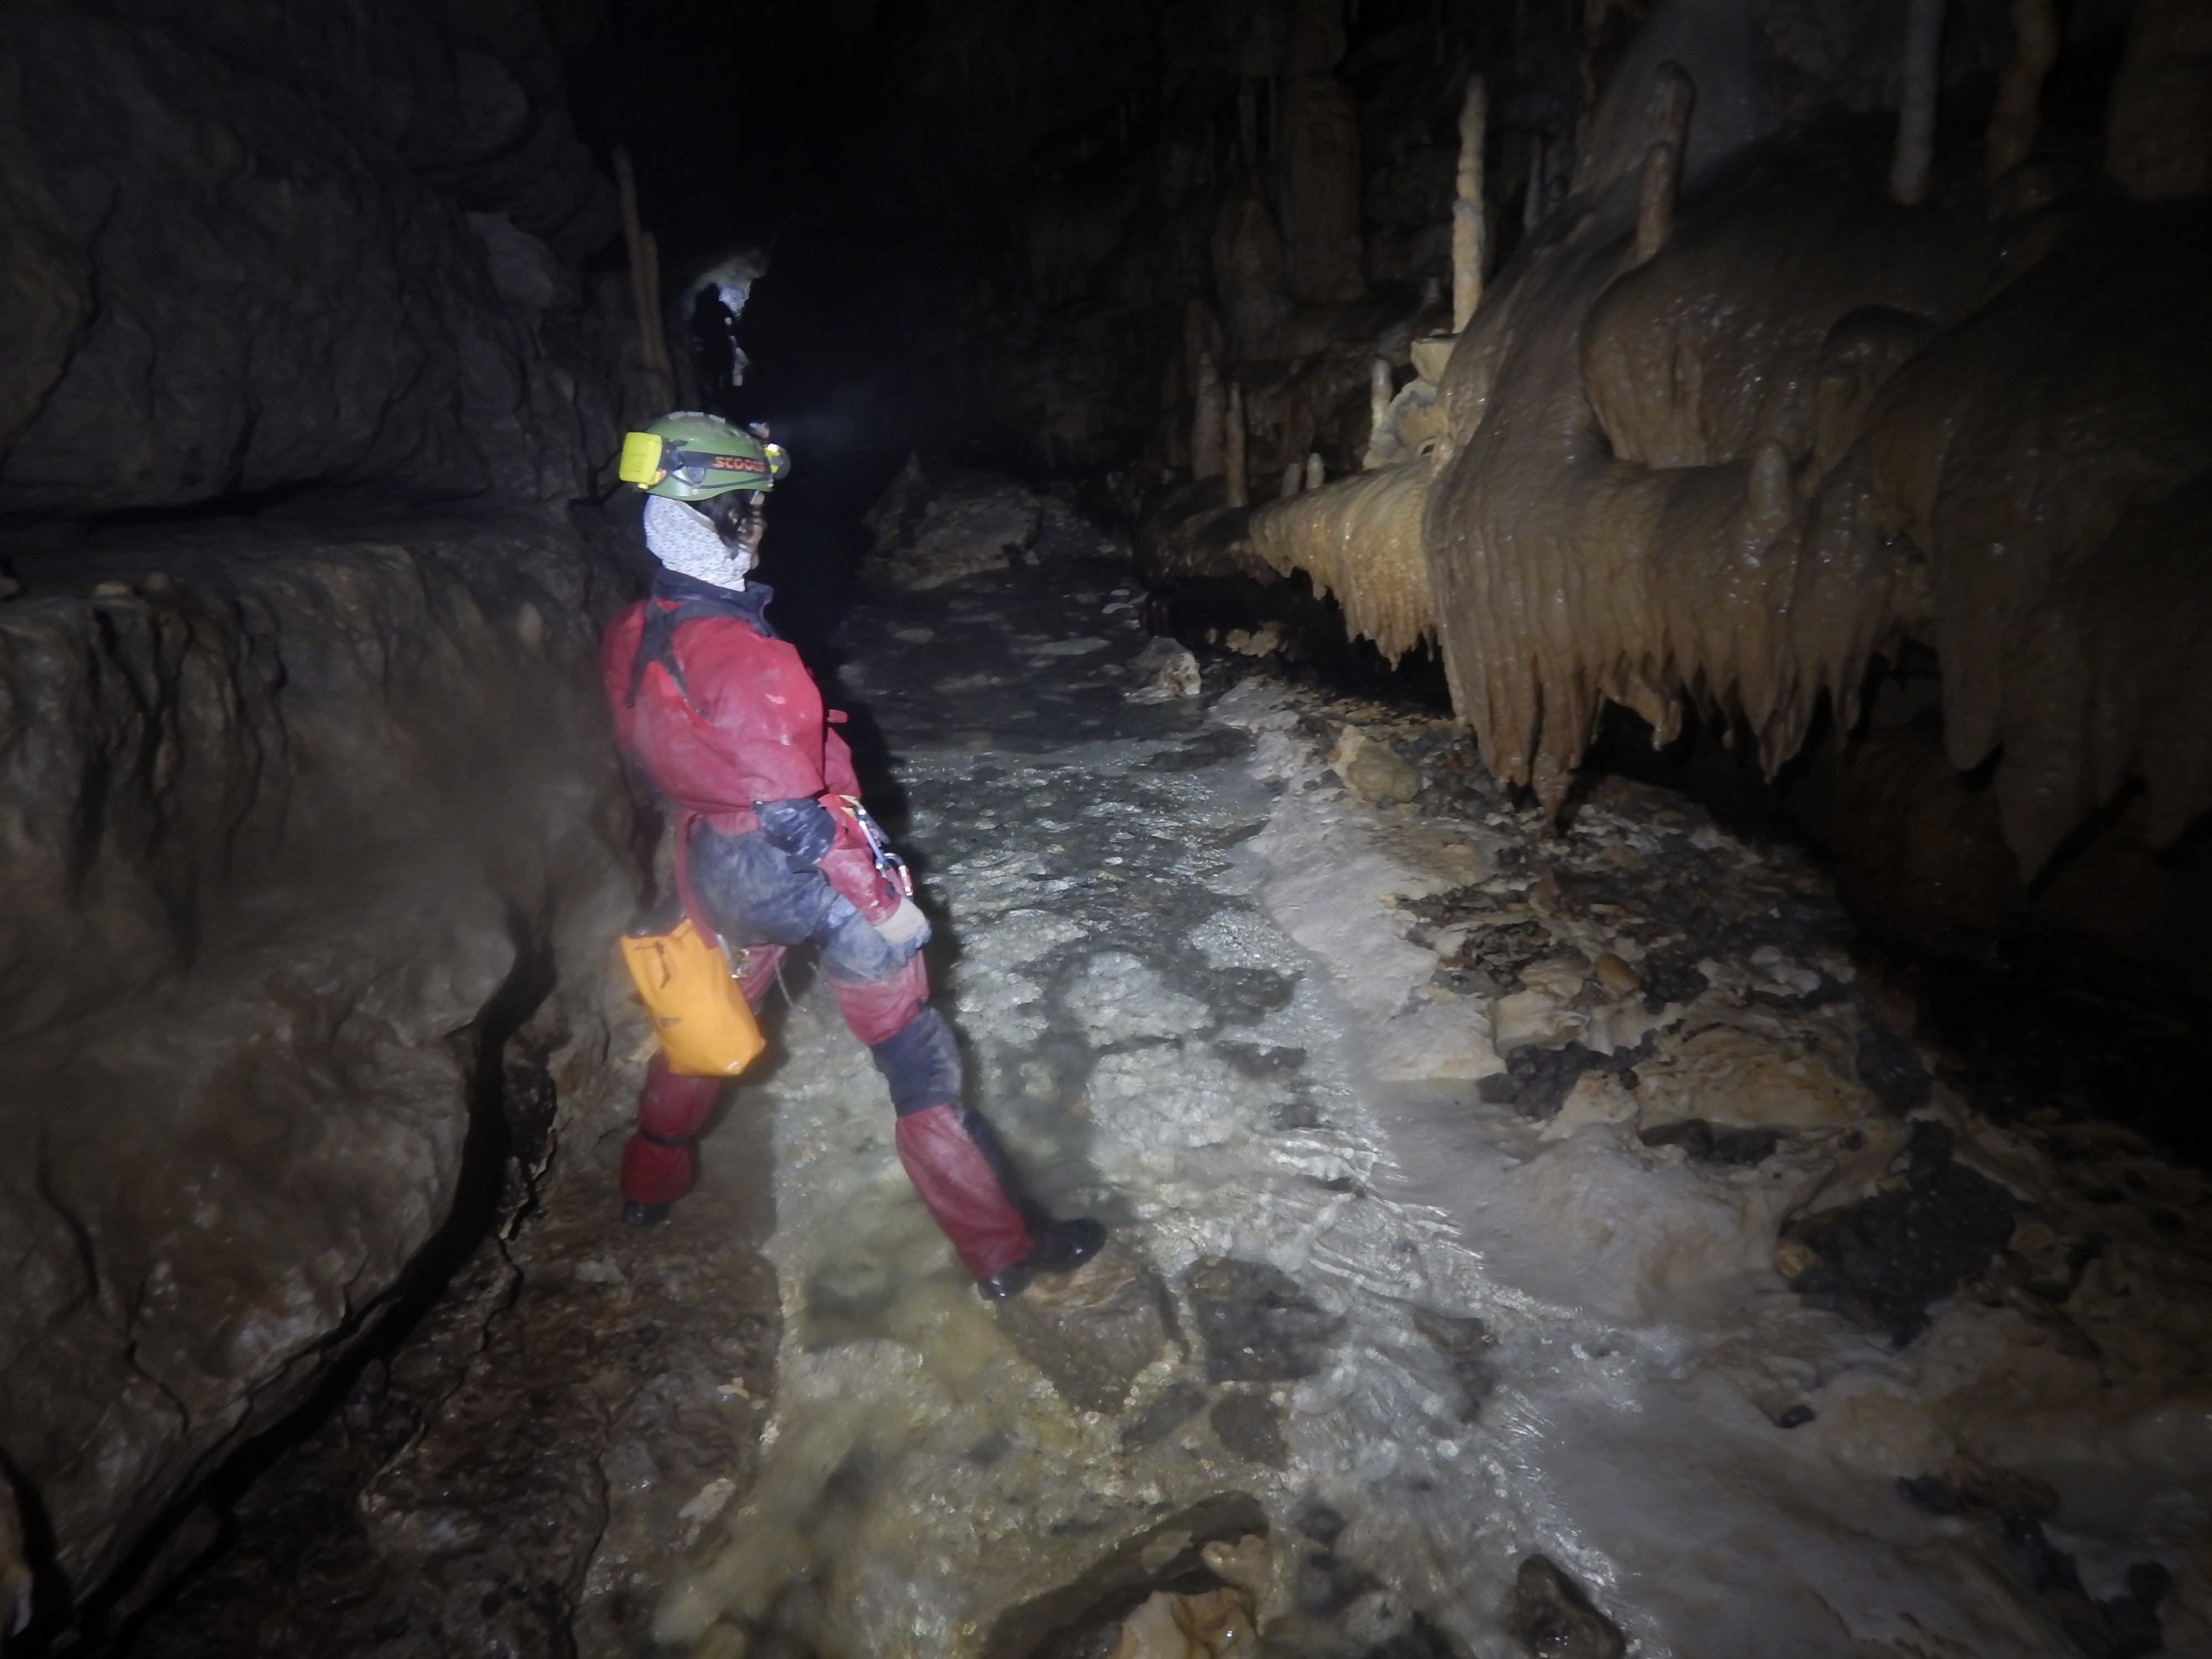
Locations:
{"points": [[1545, 672]]}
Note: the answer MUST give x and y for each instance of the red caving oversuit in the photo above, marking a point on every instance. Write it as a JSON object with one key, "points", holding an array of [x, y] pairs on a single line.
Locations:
{"points": [[723, 720]]}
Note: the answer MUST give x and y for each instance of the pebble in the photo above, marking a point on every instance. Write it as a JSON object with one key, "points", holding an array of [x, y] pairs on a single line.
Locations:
{"points": [[1618, 979]]}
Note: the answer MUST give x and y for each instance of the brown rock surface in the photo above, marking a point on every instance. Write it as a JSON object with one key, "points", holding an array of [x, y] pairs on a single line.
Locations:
{"points": [[308, 826], [1092, 1331], [238, 259]]}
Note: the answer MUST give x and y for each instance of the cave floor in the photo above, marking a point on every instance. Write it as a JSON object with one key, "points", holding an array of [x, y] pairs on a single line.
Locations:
{"points": [[1671, 1295], [1421, 1313]]}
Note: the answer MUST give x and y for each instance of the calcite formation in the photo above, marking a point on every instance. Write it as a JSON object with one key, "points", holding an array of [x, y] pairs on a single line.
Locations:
{"points": [[1360, 541], [1720, 455]]}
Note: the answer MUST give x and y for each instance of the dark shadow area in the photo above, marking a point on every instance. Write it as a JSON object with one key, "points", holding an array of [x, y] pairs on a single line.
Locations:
{"points": [[1317, 649], [2033, 1015]]}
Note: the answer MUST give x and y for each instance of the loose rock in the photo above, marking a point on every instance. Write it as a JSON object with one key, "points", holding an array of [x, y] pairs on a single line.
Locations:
{"points": [[1092, 1331], [1618, 979], [1257, 1325], [1251, 1426], [1372, 769], [1165, 671], [1176, 1405], [1552, 1617]]}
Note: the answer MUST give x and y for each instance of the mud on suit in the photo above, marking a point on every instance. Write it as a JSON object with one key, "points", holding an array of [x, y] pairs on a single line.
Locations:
{"points": [[730, 730]]}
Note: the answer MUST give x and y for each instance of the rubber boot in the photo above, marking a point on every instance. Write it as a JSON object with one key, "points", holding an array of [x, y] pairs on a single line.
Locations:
{"points": [[1058, 1246], [661, 1159]]}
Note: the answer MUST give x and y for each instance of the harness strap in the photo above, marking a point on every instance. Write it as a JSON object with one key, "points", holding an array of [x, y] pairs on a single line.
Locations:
{"points": [[685, 818], [656, 640]]}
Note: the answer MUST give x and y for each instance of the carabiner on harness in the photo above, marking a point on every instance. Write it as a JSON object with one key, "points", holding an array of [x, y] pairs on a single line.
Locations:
{"points": [[889, 865]]}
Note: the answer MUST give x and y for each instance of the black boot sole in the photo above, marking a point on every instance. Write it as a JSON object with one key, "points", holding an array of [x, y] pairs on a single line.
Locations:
{"points": [[1070, 1253]]}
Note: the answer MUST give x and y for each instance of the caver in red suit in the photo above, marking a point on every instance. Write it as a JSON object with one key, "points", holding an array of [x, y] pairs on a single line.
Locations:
{"points": [[730, 732]]}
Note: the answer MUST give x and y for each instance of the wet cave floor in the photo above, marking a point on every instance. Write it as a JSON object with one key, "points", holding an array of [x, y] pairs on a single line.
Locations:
{"points": [[1523, 1242]]}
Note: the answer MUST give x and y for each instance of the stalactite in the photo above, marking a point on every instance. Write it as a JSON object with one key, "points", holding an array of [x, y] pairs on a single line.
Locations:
{"points": [[1239, 489], [1469, 229], [1209, 423], [1916, 113], [1359, 540], [1380, 391], [1672, 95], [1532, 206], [2020, 88]]}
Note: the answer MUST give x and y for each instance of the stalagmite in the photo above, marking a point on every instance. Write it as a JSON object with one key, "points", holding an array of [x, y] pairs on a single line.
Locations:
{"points": [[1239, 491], [1532, 205], [1655, 199], [1469, 232], [1209, 421], [1380, 391], [1916, 114], [2020, 88], [655, 329], [644, 284], [1315, 473], [1250, 277], [1672, 94], [1294, 478]]}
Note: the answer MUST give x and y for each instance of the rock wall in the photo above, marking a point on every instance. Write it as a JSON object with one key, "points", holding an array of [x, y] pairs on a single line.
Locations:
{"points": [[299, 824], [257, 247], [307, 797]]}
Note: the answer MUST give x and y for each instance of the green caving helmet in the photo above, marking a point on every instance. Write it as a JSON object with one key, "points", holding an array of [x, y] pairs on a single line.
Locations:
{"points": [[691, 456]]}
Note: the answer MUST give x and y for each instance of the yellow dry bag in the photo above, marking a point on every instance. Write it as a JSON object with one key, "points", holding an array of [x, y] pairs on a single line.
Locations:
{"points": [[700, 1013]]}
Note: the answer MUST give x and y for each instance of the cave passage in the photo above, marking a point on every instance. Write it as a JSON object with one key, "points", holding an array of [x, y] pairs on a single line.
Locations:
{"points": [[1547, 674]]}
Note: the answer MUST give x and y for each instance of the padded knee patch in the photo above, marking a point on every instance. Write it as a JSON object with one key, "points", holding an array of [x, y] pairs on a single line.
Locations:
{"points": [[921, 1063], [877, 1009]]}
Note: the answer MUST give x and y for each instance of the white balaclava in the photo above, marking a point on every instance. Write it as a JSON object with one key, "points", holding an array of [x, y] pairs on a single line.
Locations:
{"points": [[684, 539]]}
